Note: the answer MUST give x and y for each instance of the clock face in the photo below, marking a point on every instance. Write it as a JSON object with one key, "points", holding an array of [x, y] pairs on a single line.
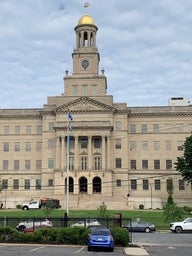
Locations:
{"points": [[85, 64]]}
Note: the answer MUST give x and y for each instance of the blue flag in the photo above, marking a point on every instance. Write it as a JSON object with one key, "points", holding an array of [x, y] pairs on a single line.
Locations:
{"points": [[70, 117]]}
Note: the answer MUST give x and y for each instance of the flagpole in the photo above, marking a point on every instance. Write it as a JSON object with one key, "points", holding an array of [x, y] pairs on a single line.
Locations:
{"points": [[67, 196], [70, 118]]}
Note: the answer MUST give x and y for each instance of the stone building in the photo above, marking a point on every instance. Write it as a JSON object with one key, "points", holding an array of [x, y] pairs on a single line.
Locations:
{"points": [[123, 156]]}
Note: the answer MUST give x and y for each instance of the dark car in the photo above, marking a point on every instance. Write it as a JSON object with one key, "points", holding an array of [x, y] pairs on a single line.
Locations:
{"points": [[100, 238], [140, 226]]}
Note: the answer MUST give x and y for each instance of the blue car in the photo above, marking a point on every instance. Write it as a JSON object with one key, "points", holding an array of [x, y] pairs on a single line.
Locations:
{"points": [[100, 238]]}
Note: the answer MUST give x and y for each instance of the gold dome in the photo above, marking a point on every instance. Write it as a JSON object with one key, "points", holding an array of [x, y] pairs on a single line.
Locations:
{"points": [[86, 20]]}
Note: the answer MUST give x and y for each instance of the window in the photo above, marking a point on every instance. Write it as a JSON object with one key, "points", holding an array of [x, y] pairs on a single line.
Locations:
{"points": [[17, 146], [72, 142], [169, 184], [156, 164], [27, 184], [4, 184], [94, 90], [38, 184], [16, 184], [97, 163], [180, 145], [6, 129], [133, 184], [156, 145], [27, 164], [118, 183], [71, 163], [17, 129], [6, 146], [144, 146], [51, 143], [144, 164], [38, 146], [28, 146], [5, 164], [132, 146], [51, 126], [144, 128], [28, 129], [84, 143], [84, 163], [168, 164], [97, 143], [133, 165], [118, 143], [155, 128], [132, 128], [50, 183], [168, 146], [181, 185], [16, 164], [38, 164], [145, 185], [39, 129], [117, 162], [75, 90], [84, 90], [50, 163], [157, 184], [117, 126]]}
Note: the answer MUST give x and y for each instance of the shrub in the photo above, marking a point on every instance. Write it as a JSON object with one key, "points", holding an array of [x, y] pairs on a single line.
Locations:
{"points": [[121, 236], [187, 209], [141, 206]]}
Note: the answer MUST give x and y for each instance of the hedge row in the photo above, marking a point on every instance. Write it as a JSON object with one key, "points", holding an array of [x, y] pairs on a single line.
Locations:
{"points": [[71, 235]]}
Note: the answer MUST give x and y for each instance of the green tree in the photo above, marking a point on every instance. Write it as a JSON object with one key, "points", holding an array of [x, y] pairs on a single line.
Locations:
{"points": [[171, 211], [103, 212], [184, 163]]}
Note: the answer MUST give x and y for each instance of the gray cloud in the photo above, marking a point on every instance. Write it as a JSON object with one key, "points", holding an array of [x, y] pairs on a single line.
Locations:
{"points": [[145, 48]]}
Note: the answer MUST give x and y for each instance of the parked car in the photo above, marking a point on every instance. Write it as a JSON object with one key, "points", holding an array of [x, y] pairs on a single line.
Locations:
{"points": [[140, 226], [31, 225], [179, 227], [86, 223], [100, 238]]}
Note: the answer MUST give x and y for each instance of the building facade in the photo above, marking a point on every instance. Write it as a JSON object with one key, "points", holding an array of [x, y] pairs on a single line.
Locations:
{"points": [[123, 156]]}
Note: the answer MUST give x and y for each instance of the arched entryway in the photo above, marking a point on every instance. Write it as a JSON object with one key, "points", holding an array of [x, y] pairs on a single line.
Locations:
{"points": [[71, 185], [96, 185], [83, 184]]}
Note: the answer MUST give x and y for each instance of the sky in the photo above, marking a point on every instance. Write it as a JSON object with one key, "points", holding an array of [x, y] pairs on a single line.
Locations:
{"points": [[145, 48]]}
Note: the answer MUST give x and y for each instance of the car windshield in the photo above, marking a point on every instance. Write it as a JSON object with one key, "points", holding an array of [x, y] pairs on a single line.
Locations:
{"points": [[100, 232]]}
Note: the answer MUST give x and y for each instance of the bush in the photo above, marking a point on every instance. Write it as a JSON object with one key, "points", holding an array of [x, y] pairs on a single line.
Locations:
{"points": [[141, 206], [70, 235], [187, 209], [121, 236]]}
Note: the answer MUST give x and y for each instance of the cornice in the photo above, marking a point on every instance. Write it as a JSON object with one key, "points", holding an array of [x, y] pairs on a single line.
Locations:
{"points": [[161, 114]]}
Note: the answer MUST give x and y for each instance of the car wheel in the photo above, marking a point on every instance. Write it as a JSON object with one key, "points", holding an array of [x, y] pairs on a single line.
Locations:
{"points": [[21, 228], [147, 230], [88, 248], [25, 208], [111, 249], [178, 229]]}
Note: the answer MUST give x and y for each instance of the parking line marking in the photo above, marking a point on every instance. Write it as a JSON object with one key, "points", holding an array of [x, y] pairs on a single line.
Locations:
{"points": [[38, 248], [80, 250]]}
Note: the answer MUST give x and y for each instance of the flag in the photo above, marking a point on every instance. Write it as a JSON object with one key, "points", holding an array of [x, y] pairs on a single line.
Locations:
{"points": [[70, 117]]}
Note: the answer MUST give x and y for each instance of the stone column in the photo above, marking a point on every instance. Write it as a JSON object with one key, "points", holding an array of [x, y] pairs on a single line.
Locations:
{"points": [[76, 163], [103, 153], [89, 153], [57, 153], [108, 152], [63, 153]]}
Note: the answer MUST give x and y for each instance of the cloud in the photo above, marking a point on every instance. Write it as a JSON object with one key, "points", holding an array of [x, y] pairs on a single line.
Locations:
{"points": [[145, 48]]}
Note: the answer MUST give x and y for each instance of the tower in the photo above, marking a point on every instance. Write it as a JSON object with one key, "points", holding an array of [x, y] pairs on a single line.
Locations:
{"points": [[85, 79]]}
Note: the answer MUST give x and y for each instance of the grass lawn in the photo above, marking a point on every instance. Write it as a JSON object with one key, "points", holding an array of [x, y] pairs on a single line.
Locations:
{"points": [[155, 217]]}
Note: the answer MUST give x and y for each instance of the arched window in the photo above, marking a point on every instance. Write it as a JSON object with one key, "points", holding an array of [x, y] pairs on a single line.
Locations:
{"points": [[83, 184], [71, 185]]}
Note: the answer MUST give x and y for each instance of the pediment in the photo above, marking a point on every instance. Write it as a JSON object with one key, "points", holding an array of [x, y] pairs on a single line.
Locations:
{"points": [[85, 104]]}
